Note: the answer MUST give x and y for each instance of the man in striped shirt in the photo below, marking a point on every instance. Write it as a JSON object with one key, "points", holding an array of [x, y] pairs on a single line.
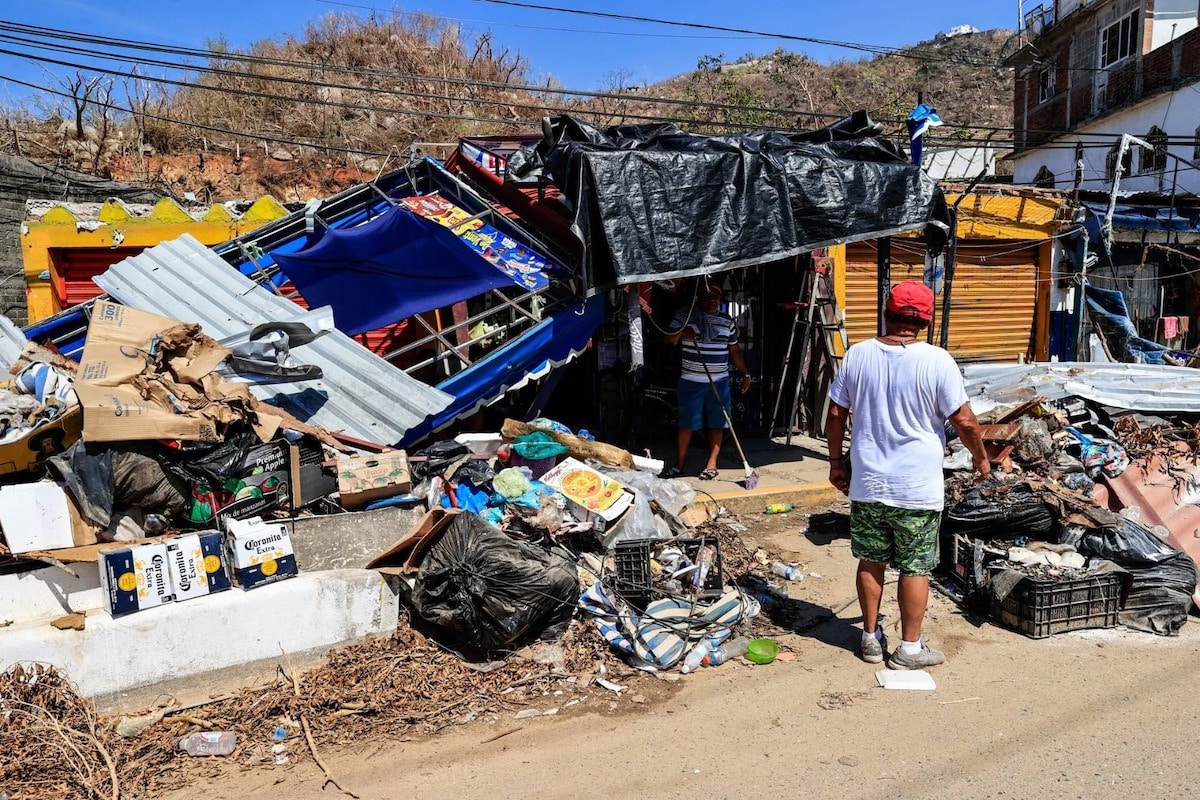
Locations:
{"points": [[710, 343]]}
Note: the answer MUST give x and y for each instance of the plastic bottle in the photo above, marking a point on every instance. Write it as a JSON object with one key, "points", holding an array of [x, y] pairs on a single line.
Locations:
{"points": [[733, 648], [777, 508], [695, 657], [209, 743], [786, 571], [704, 562]]}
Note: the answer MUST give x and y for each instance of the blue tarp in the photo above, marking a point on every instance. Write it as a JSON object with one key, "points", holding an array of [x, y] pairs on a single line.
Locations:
{"points": [[1145, 218], [1111, 315], [388, 269], [551, 343]]}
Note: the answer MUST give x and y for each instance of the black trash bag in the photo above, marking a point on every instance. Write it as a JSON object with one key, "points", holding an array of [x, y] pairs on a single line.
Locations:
{"points": [[211, 463], [490, 591], [476, 471], [85, 468], [989, 511], [1164, 579], [139, 481], [437, 456]]}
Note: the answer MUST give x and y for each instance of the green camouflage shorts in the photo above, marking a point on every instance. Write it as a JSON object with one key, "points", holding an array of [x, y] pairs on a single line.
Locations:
{"points": [[905, 537]]}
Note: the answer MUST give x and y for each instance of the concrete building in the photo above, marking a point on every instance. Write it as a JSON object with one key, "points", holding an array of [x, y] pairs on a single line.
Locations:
{"points": [[1090, 71]]}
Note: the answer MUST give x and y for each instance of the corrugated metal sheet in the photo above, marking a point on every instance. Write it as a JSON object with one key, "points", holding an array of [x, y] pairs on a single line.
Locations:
{"points": [[1137, 387], [79, 266], [12, 342], [361, 394], [992, 301]]}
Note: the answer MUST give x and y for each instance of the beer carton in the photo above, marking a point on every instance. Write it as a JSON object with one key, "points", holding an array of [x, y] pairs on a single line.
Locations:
{"points": [[260, 552], [197, 565], [135, 578]]}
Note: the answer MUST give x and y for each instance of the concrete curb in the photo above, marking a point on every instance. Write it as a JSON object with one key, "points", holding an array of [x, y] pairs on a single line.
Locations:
{"points": [[747, 501]]}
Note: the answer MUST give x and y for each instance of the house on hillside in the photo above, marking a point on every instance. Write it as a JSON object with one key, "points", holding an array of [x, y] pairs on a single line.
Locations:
{"points": [[1091, 71]]}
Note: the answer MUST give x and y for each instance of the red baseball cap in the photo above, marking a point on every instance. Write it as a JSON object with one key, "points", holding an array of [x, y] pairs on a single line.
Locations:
{"points": [[911, 299]]}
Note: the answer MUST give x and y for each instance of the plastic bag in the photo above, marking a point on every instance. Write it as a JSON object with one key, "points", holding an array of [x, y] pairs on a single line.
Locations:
{"points": [[536, 445], [993, 509], [1034, 442], [101, 479], [512, 482], [1164, 579], [490, 591], [475, 471], [438, 457]]}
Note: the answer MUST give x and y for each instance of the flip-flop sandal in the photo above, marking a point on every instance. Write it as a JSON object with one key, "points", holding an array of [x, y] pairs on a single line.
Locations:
{"points": [[708, 474], [671, 472]]}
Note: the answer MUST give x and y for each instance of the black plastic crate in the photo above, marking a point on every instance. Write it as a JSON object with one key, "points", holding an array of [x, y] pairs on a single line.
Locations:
{"points": [[1039, 608], [714, 584], [970, 560], [631, 564]]}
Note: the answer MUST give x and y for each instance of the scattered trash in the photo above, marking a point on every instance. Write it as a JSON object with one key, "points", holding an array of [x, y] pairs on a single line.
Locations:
{"points": [[209, 743], [912, 679]]}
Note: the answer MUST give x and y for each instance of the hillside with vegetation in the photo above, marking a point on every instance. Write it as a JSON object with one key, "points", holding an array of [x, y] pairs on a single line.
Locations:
{"points": [[307, 115]]}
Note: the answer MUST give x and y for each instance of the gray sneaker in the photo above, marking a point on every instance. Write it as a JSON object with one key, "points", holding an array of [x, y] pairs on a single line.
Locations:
{"points": [[872, 650], [928, 657]]}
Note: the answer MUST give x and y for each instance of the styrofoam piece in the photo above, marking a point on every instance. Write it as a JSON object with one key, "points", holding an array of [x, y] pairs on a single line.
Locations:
{"points": [[654, 465], [35, 516], [907, 679], [480, 444]]}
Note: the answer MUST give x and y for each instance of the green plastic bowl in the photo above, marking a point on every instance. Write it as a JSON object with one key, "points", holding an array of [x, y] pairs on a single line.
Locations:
{"points": [[762, 651]]}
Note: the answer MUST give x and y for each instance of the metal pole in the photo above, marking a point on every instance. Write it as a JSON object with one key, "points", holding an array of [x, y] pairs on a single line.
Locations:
{"points": [[883, 286], [948, 280]]}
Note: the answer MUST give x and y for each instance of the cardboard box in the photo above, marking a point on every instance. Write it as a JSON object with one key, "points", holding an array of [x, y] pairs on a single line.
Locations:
{"points": [[197, 564], [42, 516], [29, 453], [592, 497], [374, 476], [260, 552], [266, 478], [135, 578], [403, 557]]}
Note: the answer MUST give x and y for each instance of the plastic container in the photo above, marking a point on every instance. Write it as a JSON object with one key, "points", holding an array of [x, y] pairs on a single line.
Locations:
{"points": [[786, 571], [1043, 608], [537, 466], [734, 648], [695, 657], [777, 508], [762, 651], [209, 743], [631, 561]]}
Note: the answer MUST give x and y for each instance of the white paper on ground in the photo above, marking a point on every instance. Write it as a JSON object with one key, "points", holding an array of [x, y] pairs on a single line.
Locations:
{"points": [[910, 679]]}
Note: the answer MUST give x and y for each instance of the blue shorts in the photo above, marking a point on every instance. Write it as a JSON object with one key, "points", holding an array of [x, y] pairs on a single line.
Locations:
{"points": [[698, 407]]}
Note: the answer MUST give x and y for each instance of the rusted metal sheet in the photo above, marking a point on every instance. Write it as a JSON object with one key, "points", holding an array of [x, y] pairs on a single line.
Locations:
{"points": [[1000, 432], [1166, 494]]}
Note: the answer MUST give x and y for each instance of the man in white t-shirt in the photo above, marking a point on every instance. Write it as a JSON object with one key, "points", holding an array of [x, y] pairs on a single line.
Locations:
{"points": [[900, 392]]}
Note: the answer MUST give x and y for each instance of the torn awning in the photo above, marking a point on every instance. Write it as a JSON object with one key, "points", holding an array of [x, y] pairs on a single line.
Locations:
{"points": [[397, 265], [653, 201], [551, 343]]}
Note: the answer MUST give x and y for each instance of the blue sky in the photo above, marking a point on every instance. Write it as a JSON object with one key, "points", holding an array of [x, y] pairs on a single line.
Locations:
{"points": [[581, 52]]}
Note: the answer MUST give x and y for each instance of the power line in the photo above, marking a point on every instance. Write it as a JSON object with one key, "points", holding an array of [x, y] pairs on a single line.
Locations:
{"points": [[867, 48]]}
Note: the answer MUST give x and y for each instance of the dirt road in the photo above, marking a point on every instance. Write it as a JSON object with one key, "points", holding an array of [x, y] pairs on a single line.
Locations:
{"points": [[1097, 714]]}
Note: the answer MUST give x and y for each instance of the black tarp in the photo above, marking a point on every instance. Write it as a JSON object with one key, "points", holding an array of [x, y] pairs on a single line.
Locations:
{"points": [[652, 201]]}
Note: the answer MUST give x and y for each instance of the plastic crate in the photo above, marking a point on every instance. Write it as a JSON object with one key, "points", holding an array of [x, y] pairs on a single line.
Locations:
{"points": [[631, 564], [970, 562], [1043, 608]]}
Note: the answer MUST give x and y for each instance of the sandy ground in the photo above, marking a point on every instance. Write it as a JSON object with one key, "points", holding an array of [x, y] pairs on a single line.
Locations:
{"points": [[1093, 714]]}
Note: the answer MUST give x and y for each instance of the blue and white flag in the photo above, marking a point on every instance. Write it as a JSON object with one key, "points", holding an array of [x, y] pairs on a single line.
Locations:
{"points": [[920, 121]]}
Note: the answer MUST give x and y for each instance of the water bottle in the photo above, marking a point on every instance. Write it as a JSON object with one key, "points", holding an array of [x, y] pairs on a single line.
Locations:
{"points": [[695, 657], [209, 743], [777, 508], [786, 571], [734, 648]]}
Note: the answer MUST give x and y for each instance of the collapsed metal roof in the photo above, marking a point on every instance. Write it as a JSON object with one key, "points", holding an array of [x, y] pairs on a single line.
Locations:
{"points": [[360, 395], [1138, 387]]}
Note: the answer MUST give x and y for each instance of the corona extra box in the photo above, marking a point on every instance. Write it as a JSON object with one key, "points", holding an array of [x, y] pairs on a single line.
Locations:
{"points": [[135, 578], [197, 564], [260, 552]]}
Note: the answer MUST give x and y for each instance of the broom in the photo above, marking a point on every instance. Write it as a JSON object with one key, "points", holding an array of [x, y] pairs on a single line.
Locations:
{"points": [[751, 475]]}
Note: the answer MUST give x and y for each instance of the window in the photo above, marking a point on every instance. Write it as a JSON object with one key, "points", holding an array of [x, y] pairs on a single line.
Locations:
{"points": [[1119, 40], [1110, 163], [1154, 158], [1044, 178], [1046, 84]]}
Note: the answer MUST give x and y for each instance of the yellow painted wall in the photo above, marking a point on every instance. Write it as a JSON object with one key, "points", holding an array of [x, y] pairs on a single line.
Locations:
{"points": [[115, 228]]}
